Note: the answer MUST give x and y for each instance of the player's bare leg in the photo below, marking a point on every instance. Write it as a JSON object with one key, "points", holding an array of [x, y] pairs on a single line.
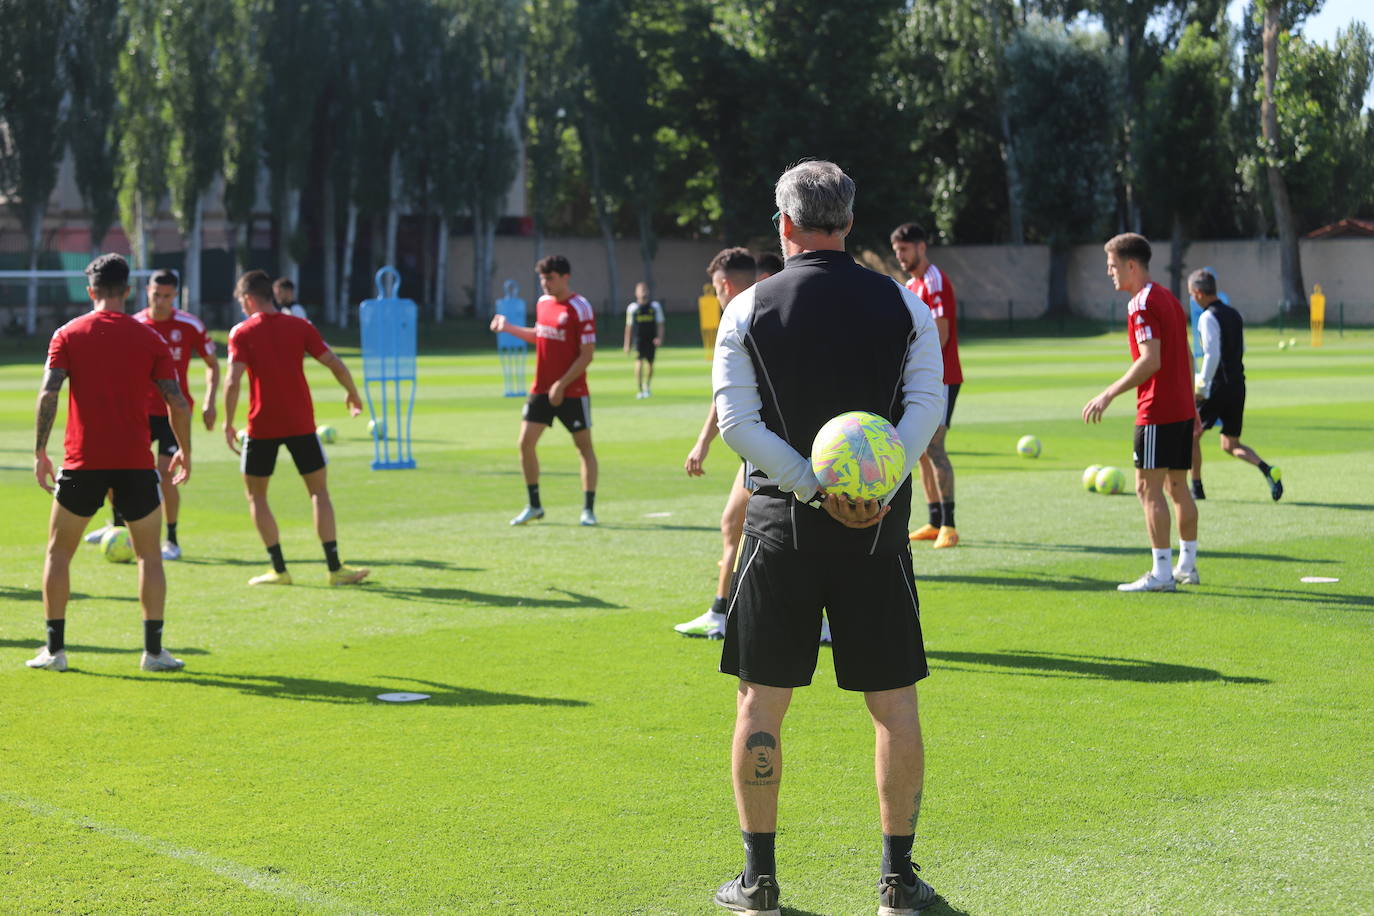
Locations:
{"points": [[146, 535], [64, 536], [931, 529], [648, 377], [899, 771], [255, 487], [1150, 484], [529, 466], [756, 770], [171, 506], [317, 485], [587, 455], [732, 531], [1232, 445], [943, 474], [1185, 513]]}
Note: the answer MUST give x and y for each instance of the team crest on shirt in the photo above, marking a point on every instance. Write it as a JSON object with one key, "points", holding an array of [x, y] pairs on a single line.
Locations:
{"points": [[176, 334], [562, 319]]}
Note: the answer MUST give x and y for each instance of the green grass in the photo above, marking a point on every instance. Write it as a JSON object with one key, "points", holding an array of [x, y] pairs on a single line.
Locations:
{"points": [[1088, 752]]}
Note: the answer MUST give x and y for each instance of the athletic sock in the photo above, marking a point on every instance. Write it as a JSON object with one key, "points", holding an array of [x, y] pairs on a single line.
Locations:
{"points": [[278, 561], [1264, 469], [589, 500], [1161, 569], [534, 495], [116, 517], [937, 514], [947, 514], [758, 856], [152, 637], [331, 555], [1187, 554], [897, 856], [172, 532], [57, 635], [718, 606]]}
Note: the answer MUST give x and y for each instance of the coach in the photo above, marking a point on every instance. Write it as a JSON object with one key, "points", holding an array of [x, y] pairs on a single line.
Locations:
{"points": [[823, 337]]}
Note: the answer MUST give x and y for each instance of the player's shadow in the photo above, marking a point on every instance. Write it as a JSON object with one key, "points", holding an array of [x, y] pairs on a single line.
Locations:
{"points": [[317, 690], [1354, 507], [1316, 595], [77, 648], [649, 526], [424, 564], [1100, 667], [1025, 580], [1121, 551], [220, 561], [434, 594], [10, 593]]}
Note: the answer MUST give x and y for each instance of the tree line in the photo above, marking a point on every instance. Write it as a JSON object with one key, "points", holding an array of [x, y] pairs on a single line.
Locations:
{"points": [[991, 121]]}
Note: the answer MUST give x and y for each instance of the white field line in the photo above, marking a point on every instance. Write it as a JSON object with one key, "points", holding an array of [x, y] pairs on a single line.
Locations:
{"points": [[251, 878]]}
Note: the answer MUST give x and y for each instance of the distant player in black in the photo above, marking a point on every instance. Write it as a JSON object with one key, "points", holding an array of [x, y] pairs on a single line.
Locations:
{"points": [[1220, 383], [644, 323]]}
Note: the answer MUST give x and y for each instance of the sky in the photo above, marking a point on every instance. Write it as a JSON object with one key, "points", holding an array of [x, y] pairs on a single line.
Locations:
{"points": [[1322, 28]]}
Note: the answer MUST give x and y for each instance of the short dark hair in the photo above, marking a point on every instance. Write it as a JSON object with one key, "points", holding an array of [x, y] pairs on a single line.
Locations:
{"points": [[1204, 281], [1131, 246], [769, 264], [282, 283], [554, 264], [255, 283], [165, 277], [732, 261], [108, 275], [909, 232]]}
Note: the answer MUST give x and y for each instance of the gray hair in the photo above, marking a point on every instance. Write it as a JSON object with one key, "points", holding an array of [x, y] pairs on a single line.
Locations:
{"points": [[816, 195], [1204, 281]]}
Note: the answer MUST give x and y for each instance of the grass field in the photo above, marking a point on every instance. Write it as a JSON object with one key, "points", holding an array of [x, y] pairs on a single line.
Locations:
{"points": [[1205, 752]]}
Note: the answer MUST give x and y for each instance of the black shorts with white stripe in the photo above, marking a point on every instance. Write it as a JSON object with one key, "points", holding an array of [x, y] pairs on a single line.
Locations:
{"points": [[772, 635], [1164, 445]]}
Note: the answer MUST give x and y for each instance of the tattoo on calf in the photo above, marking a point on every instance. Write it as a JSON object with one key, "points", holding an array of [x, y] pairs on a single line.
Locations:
{"points": [[762, 748], [916, 811]]}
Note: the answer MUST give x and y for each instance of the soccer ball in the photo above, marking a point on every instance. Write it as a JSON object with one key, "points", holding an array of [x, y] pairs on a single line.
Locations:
{"points": [[1090, 477], [1292, 341], [1028, 447], [1283, 345], [326, 434], [377, 428], [858, 454], [243, 438], [1110, 480], [116, 546]]}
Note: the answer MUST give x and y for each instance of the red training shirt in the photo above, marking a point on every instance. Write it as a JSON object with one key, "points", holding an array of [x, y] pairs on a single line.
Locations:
{"points": [[185, 335], [561, 327], [935, 290], [110, 360], [273, 346], [1166, 396]]}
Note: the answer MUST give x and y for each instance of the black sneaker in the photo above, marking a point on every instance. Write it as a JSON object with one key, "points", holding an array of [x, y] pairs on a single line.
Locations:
{"points": [[1275, 478], [897, 898], [1197, 490], [759, 900]]}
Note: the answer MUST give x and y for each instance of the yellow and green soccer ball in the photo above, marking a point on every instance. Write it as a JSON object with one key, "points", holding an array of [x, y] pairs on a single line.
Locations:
{"points": [[1090, 477], [116, 546], [1110, 481], [377, 428], [858, 454], [327, 434], [1028, 447]]}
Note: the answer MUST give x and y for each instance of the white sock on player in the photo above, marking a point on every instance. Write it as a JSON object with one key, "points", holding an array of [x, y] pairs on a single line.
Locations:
{"points": [[1162, 556], [1187, 555]]}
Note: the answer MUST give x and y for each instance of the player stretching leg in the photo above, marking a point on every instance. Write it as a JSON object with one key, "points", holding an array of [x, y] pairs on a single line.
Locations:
{"points": [[1165, 413], [934, 289], [1220, 382], [111, 360], [564, 338], [271, 346]]}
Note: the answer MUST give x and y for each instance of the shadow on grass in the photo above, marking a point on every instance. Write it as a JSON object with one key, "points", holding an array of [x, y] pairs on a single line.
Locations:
{"points": [[1102, 667], [1024, 580], [316, 690], [1355, 507], [1315, 595], [75, 648], [435, 594], [653, 527], [10, 593], [1121, 551]]}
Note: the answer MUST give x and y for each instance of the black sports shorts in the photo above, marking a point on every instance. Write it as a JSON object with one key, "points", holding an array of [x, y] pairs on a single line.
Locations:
{"points": [[1164, 445], [575, 413], [160, 431], [136, 491], [772, 635], [259, 457], [1226, 404], [645, 350], [951, 395]]}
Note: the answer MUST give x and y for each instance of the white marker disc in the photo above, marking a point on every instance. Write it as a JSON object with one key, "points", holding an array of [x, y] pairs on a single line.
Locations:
{"points": [[1319, 579], [402, 697], [657, 514]]}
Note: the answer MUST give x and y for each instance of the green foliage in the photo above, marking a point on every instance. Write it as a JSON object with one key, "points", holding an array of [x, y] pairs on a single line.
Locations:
{"points": [[98, 32], [242, 73], [145, 134], [32, 86]]}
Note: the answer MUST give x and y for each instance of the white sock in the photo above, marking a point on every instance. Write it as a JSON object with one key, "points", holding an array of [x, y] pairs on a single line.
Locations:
{"points": [[1162, 556], [1187, 555]]}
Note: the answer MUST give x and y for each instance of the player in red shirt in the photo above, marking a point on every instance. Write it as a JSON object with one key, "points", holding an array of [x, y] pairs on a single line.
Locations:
{"points": [[564, 338], [934, 289], [1162, 375], [111, 360], [271, 346]]}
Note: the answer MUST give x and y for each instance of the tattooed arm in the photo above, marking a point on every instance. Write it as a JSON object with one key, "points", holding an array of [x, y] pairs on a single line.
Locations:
{"points": [[179, 414], [46, 413]]}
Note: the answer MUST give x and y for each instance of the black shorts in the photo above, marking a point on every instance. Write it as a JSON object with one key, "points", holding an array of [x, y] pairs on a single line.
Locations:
{"points": [[1164, 445], [259, 457], [645, 350], [772, 635], [1226, 404], [576, 413], [136, 491], [160, 431], [951, 395]]}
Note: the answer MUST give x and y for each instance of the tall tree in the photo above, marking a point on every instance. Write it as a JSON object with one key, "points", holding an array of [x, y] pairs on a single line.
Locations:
{"points": [[144, 132], [32, 115], [242, 130], [99, 30], [549, 87]]}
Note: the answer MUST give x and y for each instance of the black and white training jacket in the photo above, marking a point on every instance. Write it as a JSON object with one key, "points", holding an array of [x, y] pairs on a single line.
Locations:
{"points": [[823, 337]]}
